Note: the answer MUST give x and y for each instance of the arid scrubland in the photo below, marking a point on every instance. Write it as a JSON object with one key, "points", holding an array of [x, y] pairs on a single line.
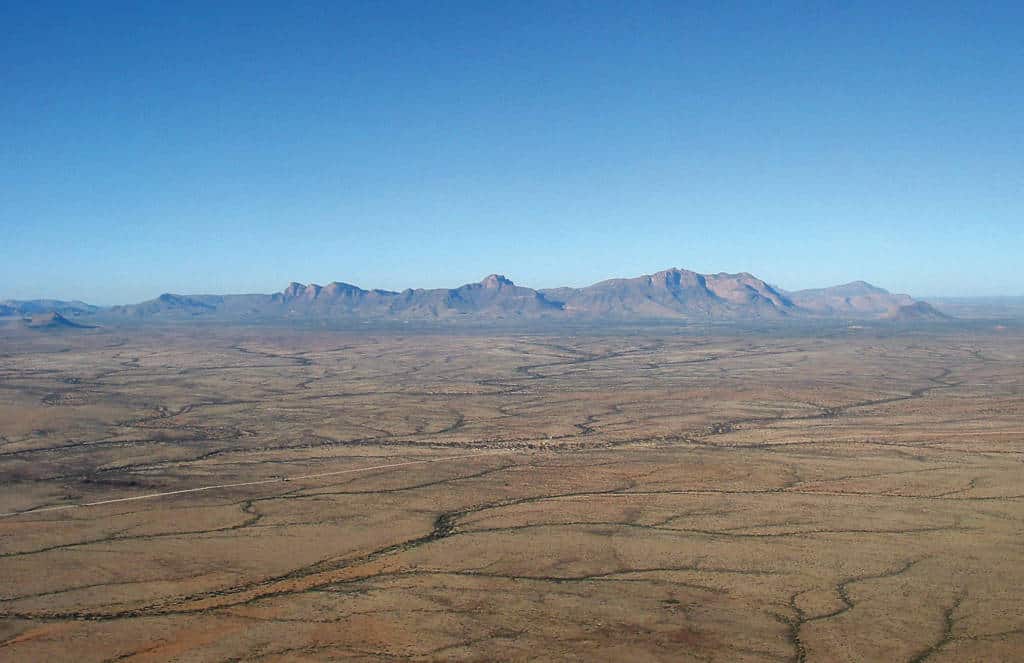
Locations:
{"points": [[501, 496]]}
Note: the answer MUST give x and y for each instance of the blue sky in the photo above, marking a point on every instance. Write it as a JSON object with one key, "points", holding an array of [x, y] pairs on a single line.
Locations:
{"points": [[233, 147]]}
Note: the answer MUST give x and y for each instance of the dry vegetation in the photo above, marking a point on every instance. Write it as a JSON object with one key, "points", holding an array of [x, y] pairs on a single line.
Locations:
{"points": [[626, 497]]}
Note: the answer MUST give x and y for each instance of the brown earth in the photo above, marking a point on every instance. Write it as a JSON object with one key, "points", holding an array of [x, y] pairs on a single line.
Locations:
{"points": [[650, 496]]}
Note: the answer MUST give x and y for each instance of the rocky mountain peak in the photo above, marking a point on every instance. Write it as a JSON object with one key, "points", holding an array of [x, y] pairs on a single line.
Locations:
{"points": [[495, 281]]}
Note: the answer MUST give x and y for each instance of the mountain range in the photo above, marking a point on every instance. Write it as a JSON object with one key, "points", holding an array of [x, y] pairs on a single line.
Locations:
{"points": [[671, 294]]}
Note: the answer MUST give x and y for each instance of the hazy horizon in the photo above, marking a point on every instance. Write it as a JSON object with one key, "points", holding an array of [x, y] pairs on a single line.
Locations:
{"points": [[229, 148], [511, 277]]}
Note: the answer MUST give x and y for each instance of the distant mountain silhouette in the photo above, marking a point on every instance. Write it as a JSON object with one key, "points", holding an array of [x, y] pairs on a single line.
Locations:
{"points": [[676, 293], [1004, 307], [671, 294], [857, 299], [172, 305], [11, 307], [493, 297]]}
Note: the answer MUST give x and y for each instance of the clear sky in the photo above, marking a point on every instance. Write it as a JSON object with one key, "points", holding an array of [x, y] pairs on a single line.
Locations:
{"points": [[232, 147]]}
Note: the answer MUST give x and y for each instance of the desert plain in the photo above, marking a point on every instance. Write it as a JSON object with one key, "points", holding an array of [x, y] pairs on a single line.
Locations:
{"points": [[203, 493]]}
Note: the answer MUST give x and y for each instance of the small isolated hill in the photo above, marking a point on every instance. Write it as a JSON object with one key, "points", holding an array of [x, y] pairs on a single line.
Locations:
{"points": [[53, 320]]}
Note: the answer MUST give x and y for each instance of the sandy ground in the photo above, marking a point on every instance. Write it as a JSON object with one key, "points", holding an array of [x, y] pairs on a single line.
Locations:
{"points": [[376, 496]]}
